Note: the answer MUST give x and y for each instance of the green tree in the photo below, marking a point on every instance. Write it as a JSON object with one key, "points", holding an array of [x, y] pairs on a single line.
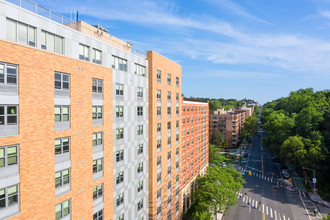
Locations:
{"points": [[202, 216], [293, 150], [217, 138], [217, 190], [250, 127]]}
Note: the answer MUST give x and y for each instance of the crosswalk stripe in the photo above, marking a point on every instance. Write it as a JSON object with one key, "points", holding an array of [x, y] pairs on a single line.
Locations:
{"points": [[288, 218], [266, 210], [279, 215], [268, 179], [243, 199], [263, 208], [252, 203], [277, 182], [271, 180], [271, 213], [284, 217], [275, 214]]}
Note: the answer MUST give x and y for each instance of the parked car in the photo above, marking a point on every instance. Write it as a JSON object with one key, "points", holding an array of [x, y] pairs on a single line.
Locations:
{"points": [[286, 174], [223, 164], [243, 161], [246, 155]]}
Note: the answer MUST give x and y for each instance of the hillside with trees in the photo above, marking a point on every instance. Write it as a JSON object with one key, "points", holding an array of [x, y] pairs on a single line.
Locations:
{"points": [[298, 130]]}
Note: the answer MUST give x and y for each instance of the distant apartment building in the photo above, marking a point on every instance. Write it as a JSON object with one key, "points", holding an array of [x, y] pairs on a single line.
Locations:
{"points": [[230, 122], [73, 120], [164, 137], [195, 146]]}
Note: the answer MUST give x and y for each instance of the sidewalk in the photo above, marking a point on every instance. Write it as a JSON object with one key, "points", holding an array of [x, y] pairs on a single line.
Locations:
{"points": [[316, 198]]}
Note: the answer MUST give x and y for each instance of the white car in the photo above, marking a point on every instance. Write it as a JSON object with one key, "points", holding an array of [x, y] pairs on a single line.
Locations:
{"points": [[223, 164], [285, 174]]}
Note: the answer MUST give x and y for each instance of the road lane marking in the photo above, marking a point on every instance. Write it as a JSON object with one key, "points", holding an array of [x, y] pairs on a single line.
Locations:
{"points": [[305, 207], [263, 208], [271, 213], [267, 210]]}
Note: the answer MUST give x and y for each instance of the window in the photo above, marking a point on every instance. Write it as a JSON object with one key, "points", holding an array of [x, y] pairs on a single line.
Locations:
{"points": [[169, 140], [121, 217], [119, 133], [159, 160], [177, 207], [177, 178], [169, 155], [177, 111], [169, 200], [139, 111], [169, 79], [119, 89], [52, 42], [8, 74], [98, 215], [140, 167], [97, 139], [98, 191], [169, 125], [120, 178], [140, 149], [169, 111], [62, 177], [140, 92], [159, 177], [184, 121], [140, 186], [8, 156], [62, 113], [97, 85], [158, 111], [169, 185], [62, 209], [140, 205], [159, 210], [177, 97], [97, 56], [159, 95], [159, 193], [120, 199], [97, 112], [83, 52], [177, 138], [21, 33], [169, 170], [158, 144], [169, 95], [159, 76], [139, 129], [177, 123], [119, 63], [119, 111], [158, 127], [97, 165], [140, 70], [119, 156], [177, 82], [62, 81]]}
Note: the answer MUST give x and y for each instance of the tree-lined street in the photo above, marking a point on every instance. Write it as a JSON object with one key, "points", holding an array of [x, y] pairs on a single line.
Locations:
{"points": [[265, 186]]}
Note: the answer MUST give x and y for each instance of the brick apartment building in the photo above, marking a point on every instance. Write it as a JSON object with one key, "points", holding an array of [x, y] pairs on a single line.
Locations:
{"points": [[73, 120], [195, 146], [89, 128], [230, 122], [164, 137]]}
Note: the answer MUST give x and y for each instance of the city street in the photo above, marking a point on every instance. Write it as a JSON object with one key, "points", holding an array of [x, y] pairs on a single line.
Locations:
{"points": [[265, 193]]}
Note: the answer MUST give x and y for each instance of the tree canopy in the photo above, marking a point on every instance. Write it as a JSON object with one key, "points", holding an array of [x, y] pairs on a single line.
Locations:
{"points": [[217, 191], [298, 128]]}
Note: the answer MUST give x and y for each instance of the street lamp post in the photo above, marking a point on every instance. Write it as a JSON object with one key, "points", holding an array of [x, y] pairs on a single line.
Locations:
{"points": [[314, 179]]}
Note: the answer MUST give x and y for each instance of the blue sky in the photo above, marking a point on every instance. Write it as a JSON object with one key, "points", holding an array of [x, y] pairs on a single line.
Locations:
{"points": [[227, 48]]}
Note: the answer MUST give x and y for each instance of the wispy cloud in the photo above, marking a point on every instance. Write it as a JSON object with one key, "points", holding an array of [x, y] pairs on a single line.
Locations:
{"points": [[236, 9]]}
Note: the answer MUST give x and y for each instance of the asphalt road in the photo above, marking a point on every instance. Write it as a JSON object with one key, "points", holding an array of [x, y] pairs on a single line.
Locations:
{"points": [[265, 186]]}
